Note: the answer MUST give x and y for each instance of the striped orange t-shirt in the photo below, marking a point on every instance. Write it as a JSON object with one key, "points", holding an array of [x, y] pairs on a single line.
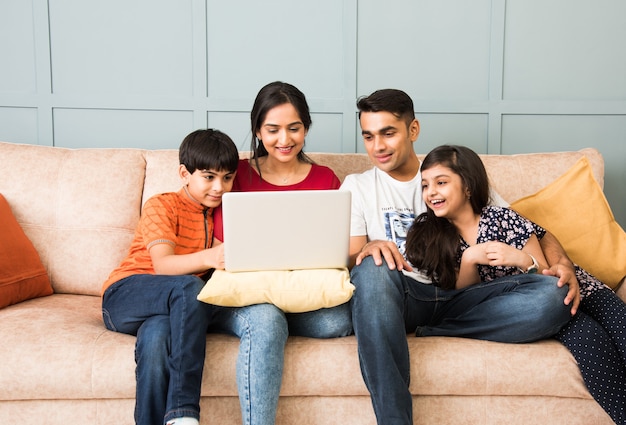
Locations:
{"points": [[172, 218]]}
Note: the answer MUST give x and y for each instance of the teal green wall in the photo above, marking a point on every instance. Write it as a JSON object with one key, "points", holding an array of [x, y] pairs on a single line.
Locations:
{"points": [[499, 76]]}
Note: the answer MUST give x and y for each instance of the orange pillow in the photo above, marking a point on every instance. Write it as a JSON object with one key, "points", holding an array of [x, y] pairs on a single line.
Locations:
{"points": [[573, 208], [22, 275]]}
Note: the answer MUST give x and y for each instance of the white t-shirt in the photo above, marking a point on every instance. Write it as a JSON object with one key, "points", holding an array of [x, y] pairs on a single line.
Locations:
{"points": [[384, 208]]}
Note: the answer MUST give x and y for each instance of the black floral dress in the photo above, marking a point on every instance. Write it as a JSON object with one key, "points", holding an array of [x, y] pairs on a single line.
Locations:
{"points": [[505, 225]]}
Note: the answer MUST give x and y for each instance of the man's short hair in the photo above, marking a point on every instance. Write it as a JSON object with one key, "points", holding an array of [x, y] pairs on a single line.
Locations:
{"points": [[394, 101]]}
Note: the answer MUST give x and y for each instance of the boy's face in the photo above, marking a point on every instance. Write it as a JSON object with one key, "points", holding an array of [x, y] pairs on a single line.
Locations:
{"points": [[389, 143], [208, 186]]}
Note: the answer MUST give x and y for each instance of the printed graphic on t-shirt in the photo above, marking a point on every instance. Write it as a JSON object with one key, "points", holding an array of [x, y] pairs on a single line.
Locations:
{"points": [[397, 226]]}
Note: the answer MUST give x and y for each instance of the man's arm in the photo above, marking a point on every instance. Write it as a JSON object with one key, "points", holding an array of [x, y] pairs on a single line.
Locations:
{"points": [[562, 267]]}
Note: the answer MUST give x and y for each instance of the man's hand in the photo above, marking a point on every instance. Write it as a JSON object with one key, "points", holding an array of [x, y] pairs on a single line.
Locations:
{"points": [[566, 276], [387, 250], [561, 266]]}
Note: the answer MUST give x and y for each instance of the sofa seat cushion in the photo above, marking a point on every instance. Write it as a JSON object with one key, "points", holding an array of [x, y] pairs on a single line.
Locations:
{"points": [[64, 352]]}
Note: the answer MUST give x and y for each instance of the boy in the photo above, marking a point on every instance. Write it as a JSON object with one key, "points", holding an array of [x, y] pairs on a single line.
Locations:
{"points": [[152, 294]]}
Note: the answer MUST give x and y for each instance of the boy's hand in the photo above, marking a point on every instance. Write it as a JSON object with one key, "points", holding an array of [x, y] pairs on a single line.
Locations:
{"points": [[215, 257]]}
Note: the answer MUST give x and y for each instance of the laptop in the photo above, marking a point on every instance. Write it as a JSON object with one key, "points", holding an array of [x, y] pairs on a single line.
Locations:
{"points": [[286, 230]]}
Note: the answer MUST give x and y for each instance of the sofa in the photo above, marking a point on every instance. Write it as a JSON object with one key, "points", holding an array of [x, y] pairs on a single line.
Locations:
{"points": [[59, 365]]}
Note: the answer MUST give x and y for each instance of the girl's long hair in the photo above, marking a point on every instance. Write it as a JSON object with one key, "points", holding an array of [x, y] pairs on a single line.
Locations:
{"points": [[432, 243]]}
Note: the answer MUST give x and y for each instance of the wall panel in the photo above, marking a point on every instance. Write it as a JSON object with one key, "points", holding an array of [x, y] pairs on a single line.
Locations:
{"points": [[500, 76], [18, 124], [102, 47], [17, 50], [75, 128], [433, 50], [277, 40], [565, 52]]}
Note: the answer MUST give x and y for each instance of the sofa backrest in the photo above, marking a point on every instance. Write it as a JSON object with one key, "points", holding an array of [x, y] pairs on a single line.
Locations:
{"points": [[80, 207]]}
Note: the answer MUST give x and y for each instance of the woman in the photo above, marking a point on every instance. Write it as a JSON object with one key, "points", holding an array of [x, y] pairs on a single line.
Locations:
{"points": [[280, 121], [461, 241]]}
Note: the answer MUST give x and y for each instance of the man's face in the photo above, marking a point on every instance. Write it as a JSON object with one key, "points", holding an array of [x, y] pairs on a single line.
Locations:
{"points": [[389, 143]]}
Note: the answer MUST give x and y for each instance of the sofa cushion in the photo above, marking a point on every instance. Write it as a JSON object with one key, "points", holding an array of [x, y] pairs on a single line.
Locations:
{"points": [[293, 291], [22, 275], [70, 355], [574, 209]]}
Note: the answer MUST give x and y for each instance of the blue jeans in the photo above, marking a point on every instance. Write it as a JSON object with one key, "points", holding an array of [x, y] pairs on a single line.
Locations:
{"points": [[263, 331], [386, 305], [170, 325]]}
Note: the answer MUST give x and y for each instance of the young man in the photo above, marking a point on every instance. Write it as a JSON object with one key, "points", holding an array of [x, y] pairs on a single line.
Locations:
{"points": [[152, 294], [392, 299]]}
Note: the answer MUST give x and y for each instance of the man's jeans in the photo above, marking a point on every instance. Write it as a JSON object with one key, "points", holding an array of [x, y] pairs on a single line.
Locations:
{"points": [[170, 325], [387, 304], [263, 331]]}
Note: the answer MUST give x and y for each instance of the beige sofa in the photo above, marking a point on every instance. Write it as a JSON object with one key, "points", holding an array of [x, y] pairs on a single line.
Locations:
{"points": [[59, 365]]}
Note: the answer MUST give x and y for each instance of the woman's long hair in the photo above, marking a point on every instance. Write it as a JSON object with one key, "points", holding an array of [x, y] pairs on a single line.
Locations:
{"points": [[432, 242]]}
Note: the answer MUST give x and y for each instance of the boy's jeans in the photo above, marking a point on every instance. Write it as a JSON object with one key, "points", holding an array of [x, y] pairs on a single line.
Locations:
{"points": [[170, 325], [387, 304]]}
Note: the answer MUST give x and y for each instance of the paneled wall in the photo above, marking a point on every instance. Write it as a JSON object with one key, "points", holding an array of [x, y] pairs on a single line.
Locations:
{"points": [[500, 76]]}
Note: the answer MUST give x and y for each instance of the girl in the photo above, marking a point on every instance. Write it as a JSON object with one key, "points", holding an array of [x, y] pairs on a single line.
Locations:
{"points": [[461, 241]]}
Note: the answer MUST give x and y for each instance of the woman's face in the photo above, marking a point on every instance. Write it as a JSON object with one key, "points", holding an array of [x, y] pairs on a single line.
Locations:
{"points": [[282, 133]]}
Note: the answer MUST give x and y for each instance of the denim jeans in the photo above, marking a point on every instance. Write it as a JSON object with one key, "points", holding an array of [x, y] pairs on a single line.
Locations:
{"points": [[263, 331], [387, 305], [170, 325]]}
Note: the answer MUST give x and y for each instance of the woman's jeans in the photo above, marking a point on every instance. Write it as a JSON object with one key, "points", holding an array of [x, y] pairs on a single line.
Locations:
{"points": [[170, 325], [386, 305], [263, 331]]}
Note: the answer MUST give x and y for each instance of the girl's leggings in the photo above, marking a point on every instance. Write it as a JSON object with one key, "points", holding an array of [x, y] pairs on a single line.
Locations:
{"points": [[596, 337]]}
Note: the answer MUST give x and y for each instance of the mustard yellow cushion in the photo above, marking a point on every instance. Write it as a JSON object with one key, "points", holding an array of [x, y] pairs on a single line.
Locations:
{"points": [[574, 209], [293, 291]]}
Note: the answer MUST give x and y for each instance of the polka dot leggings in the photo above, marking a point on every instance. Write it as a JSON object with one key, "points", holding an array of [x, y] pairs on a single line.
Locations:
{"points": [[596, 337]]}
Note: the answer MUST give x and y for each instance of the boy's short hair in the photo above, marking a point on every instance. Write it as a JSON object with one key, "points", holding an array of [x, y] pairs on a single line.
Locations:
{"points": [[394, 101], [208, 149]]}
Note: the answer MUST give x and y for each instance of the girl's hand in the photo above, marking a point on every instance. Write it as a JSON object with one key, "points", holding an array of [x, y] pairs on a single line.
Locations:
{"points": [[502, 254]]}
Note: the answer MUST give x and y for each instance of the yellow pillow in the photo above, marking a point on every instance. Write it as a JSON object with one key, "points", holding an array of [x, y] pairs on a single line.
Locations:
{"points": [[574, 209], [293, 291]]}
